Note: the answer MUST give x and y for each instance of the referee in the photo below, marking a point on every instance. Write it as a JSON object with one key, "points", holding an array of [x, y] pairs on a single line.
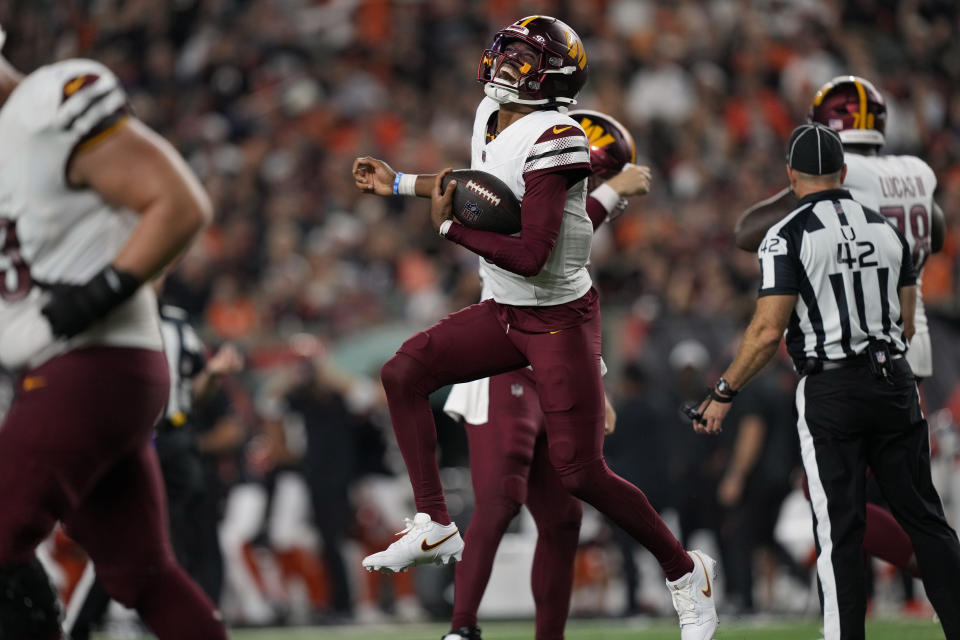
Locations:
{"points": [[839, 279]]}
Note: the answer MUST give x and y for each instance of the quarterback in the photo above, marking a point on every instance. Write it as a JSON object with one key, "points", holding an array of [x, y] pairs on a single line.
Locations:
{"points": [[543, 311], [93, 205], [503, 420]]}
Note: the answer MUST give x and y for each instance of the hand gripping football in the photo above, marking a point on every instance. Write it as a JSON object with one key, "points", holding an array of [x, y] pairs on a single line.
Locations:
{"points": [[483, 201]]}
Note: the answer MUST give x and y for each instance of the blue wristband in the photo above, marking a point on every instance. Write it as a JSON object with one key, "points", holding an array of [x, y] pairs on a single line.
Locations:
{"points": [[396, 183]]}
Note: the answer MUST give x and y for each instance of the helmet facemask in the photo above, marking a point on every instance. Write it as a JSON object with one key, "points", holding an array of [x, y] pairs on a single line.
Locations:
{"points": [[498, 68]]}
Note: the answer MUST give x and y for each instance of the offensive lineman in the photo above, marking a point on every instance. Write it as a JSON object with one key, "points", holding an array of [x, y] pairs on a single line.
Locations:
{"points": [[544, 311], [901, 189], [93, 204]]}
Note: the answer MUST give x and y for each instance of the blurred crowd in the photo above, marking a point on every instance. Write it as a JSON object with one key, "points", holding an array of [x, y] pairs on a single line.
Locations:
{"points": [[271, 100]]}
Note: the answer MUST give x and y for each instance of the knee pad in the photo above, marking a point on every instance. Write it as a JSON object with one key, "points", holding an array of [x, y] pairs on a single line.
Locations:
{"points": [[562, 516], [579, 478], [28, 605], [404, 374]]}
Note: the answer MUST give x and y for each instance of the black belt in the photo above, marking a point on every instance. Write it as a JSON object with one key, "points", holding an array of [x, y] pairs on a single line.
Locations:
{"points": [[812, 366], [829, 365]]}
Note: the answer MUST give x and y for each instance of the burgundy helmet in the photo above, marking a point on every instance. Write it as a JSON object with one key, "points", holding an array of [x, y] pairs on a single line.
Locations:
{"points": [[852, 107], [556, 77], [611, 145]]}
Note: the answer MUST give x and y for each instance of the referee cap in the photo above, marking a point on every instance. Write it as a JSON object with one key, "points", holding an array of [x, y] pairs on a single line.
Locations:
{"points": [[815, 149]]}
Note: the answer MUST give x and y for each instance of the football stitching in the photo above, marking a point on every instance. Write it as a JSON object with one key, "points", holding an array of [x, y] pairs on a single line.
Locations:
{"points": [[483, 193]]}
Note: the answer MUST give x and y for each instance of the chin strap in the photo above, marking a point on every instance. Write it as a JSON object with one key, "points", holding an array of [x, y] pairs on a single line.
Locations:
{"points": [[499, 93], [503, 95]]}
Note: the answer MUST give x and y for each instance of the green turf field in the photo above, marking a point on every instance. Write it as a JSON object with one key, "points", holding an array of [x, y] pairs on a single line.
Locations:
{"points": [[597, 630]]}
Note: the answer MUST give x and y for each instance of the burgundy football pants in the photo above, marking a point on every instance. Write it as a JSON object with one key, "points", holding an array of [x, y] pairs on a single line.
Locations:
{"points": [[75, 447], [473, 344], [509, 466]]}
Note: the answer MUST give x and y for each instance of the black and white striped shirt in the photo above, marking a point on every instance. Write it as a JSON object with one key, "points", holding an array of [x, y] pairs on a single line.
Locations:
{"points": [[846, 265], [186, 358]]}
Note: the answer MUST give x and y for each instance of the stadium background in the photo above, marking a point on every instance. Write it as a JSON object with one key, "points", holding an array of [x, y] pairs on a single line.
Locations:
{"points": [[271, 100]]}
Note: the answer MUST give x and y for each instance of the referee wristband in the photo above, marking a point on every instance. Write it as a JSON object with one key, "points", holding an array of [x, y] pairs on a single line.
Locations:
{"points": [[405, 184], [444, 227]]}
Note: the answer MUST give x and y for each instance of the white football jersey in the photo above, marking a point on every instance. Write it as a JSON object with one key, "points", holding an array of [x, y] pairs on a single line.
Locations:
{"points": [[901, 188], [51, 232], [514, 153]]}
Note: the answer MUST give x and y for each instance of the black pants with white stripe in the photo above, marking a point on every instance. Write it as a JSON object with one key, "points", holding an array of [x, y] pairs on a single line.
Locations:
{"points": [[849, 420]]}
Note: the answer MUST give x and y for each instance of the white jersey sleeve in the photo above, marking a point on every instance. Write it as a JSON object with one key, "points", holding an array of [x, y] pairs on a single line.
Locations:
{"points": [[53, 232], [901, 189], [540, 141]]}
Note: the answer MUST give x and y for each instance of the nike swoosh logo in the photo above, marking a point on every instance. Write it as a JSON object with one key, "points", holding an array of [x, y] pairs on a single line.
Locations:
{"points": [[560, 129], [553, 333], [709, 590], [427, 547]]}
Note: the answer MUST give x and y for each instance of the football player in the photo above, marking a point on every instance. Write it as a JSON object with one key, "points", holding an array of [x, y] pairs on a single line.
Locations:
{"points": [[504, 423], [543, 311], [93, 204], [900, 188]]}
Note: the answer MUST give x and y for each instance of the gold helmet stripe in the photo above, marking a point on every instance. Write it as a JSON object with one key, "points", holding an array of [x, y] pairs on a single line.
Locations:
{"points": [[817, 99], [527, 21], [863, 103]]}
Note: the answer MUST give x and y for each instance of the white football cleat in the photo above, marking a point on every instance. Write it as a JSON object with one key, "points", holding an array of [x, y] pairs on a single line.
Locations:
{"points": [[693, 598], [423, 541]]}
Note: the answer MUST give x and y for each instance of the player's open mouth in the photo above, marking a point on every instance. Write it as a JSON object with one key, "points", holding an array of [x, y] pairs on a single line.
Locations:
{"points": [[509, 73]]}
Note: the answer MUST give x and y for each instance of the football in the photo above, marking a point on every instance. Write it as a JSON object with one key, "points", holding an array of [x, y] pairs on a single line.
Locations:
{"points": [[483, 201]]}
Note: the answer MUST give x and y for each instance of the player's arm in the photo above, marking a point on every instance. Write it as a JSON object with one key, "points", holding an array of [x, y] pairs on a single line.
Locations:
{"points": [[938, 229], [908, 310], [609, 416], [375, 176], [541, 213], [136, 169], [557, 161], [755, 221], [634, 180], [907, 287], [225, 361], [751, 434], [760, 342]]}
